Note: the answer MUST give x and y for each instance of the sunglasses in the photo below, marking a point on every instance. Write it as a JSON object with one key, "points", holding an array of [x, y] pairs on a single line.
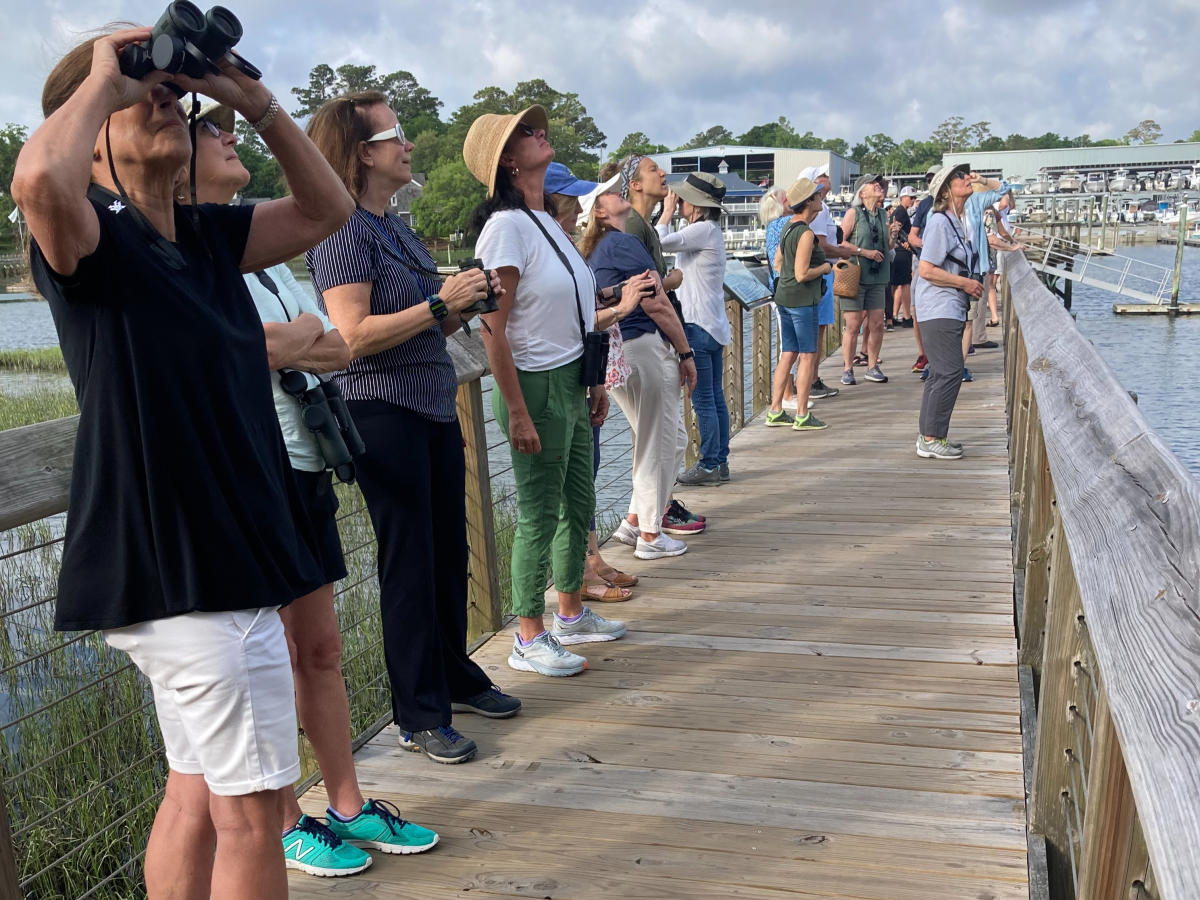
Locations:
{"points": [[958, 176], [393, 133], [524, 129], [211, 127]]}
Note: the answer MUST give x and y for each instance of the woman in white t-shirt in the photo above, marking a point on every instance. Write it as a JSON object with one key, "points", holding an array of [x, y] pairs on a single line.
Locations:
{"points": [[535, 346], [700, 255]]}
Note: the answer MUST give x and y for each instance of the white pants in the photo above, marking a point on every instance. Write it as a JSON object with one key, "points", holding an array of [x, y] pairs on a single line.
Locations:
{"points": [[224, 695], [650, 400]]}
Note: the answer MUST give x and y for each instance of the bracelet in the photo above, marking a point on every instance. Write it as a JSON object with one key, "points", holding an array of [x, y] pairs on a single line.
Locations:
{"points": [[686, 355], [268, 118]]}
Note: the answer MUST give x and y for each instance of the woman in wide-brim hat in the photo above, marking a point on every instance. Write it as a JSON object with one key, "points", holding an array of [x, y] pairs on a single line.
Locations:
{"points": [[699, 249], [534, 344], [942, 292]]}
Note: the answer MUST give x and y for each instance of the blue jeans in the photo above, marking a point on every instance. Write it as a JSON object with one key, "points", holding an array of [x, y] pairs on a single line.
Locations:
{"points": [[708, 399]]}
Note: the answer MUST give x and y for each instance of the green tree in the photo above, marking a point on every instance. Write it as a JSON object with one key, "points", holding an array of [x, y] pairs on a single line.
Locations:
{"points": [[992, 143], [1146, 131], [12, 139], [713, 137], [637, 142], [415, 107], [950, 135], [1195, 138], [450, 193], [431, 149], [266, 177], [779, 133], [978, 133]]}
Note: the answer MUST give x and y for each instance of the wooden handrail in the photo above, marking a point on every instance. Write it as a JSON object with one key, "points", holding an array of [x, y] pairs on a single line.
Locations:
{"points": [[1108, 537]]}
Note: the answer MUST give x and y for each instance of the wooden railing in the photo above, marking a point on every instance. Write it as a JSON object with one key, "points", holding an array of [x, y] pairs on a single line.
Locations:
{"points": [[1107, 551], [34, 482]]}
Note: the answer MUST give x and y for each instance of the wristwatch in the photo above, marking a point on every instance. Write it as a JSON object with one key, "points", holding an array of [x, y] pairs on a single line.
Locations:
{"points": [[437, 306], [690, 354]]}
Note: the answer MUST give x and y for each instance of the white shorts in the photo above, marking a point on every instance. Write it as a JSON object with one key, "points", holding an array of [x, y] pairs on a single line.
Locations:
{"points": [[224, 695]]}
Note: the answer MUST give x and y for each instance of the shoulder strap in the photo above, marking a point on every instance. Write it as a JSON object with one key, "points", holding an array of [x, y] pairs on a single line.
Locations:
{"points": [[269, 283], [392, 247], [967, 254], [562, 257]]}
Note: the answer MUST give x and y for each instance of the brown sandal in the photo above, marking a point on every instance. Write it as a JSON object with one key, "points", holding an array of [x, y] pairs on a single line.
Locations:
{"points": [[617, 577], [606, 592]]}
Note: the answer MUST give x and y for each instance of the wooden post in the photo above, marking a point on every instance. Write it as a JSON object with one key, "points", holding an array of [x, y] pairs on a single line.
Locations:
{"points": [[1108, 827], [1182, 240], [735, 377], [484, 613], [692, 426], [10, 887], [761, 364]]}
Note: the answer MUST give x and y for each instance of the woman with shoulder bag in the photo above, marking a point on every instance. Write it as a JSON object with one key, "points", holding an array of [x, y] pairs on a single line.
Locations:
{"points": [[537, 348]]}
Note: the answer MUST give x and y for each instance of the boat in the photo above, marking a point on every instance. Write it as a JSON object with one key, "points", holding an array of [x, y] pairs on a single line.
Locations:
{"points": [[1042, 184], [1160, 181], [1095, 183], [1194, 178], [893, 188], [1070, 182], [1037, 213], [1122, 181], [1177, 180]]}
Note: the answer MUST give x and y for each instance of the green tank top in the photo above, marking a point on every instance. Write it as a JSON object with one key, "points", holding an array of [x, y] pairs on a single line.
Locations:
{"points": [[871, 233], [790, 293]]}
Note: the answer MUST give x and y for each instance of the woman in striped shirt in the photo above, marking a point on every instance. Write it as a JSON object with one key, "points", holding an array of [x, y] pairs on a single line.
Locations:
{"points": [[381, 289]]}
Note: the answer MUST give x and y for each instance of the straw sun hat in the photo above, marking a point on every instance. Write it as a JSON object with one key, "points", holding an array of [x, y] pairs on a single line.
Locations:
{"points": [[943, 175], [486, 139]]}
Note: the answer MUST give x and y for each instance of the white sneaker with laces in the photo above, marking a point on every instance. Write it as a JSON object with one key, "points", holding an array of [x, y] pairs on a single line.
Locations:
{"points": [[546, 656], [588, 628], [626, 534], [663, 545]]}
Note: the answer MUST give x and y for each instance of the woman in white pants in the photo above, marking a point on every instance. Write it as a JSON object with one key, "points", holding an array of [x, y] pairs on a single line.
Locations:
{"points": [[660, 360]]}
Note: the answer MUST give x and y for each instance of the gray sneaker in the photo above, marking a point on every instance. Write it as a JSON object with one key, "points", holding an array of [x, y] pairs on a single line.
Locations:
{"points": [[588, 628], [781, 419], [821, 391], [546, 656], [444, 745], [938, 448], [698, 475], [626, 534], [724, 471]]}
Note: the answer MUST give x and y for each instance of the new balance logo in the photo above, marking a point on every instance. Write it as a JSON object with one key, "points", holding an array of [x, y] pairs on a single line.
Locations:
{"points": [[298, 842]]}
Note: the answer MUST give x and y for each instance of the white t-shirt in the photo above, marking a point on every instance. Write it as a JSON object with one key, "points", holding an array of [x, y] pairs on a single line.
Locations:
{"points": [[699, 250], [302, 447], [824, 224], [543, 327]]}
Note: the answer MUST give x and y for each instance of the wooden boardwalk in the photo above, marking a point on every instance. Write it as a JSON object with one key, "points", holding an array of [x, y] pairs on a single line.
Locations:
{"points": [[818, 700]]}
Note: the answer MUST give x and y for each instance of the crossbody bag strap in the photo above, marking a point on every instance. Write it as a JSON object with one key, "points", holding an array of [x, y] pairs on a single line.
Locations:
{"points": [[392, 248], [558, 251], [966, 250]]}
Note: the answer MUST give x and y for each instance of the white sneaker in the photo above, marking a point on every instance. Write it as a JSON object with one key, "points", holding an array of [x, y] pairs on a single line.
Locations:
{"points": [[663, 545], [626, 534], [546, 656], [588, 628], [791, 404]]}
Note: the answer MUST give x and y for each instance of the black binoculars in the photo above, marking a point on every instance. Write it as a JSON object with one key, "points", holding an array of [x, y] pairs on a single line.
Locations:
{"points": [[325, 414], [188, 41], [487, 304]]}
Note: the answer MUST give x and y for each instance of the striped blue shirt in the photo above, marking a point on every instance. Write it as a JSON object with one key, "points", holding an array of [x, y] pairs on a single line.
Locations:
{"points": [[417, 374]]}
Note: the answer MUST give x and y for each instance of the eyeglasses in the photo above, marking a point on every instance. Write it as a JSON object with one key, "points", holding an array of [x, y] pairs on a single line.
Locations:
{"points": [[525, 129], [393, 133], [211, 127]]}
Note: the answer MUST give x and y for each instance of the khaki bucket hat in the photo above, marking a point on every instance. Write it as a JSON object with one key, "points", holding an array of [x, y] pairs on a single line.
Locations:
{"points": [[801, 190], [700, 189], [943, 175], [486, 139]]}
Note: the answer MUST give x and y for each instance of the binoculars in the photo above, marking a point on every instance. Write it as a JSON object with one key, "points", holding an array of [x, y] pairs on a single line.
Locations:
{"points": [[325, 414], [188, 41], [487, 304]]}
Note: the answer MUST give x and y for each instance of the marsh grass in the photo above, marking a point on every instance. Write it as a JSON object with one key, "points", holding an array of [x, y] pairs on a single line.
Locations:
{"points": [[41, 404], [45, 359]]}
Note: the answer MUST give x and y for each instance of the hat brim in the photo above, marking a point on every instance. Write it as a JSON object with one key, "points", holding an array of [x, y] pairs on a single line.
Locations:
{"points": [[588, 201], [219, 113], [943, 175], [491, 133], [694, 195], [792, 204], [576, 188]]}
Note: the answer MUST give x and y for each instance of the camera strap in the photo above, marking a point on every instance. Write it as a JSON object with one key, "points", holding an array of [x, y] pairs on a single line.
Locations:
{"points": [[393, 247], [970, 258], [562, 257]]}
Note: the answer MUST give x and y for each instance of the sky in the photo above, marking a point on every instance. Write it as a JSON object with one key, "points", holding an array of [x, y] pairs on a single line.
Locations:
{"points": [[672, 68]]}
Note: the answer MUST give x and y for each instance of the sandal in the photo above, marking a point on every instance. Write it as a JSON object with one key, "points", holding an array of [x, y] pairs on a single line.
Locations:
{"points": [[617, 577], [861, 360], [992, 323], [606, 592]]}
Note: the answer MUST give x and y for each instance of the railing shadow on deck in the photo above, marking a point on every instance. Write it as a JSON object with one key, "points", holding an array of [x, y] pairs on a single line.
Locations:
{"points": [[81, 766], [1107, 537]]}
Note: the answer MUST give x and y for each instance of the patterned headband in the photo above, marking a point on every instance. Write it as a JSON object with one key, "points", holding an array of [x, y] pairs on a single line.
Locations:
{"points": [[628, 170]]}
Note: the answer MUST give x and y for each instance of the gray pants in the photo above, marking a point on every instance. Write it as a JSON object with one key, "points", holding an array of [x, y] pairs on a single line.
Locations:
{"points": [[943, 347]]}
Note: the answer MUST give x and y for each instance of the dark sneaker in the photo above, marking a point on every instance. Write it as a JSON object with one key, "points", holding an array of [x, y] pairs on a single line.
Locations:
{"points": [[986, 345], [677, 524], [875, 374], [848, 377], [781, 419], [970, 350], [679, 511], [938, 448], [925, 374], [493, 703], [723, 471], [967, 376], [698, 475], [444, 745], [861, 360], [809, 423], [821, 391], [921, 363]]}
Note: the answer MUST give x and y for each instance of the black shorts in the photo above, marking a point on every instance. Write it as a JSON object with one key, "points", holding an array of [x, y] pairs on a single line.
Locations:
{"points": [[321, 504], [902, 268]]}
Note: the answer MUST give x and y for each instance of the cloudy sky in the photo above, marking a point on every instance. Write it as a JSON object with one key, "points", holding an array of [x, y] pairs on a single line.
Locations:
{"points": [[672, 68]]}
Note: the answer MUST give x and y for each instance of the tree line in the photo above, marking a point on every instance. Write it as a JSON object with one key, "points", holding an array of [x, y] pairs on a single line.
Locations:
{"points": [[450, 193]]}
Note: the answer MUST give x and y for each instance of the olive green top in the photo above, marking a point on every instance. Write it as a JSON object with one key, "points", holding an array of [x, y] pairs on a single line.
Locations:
{"points": [[867, 239], [644, 232], [789, 292]]}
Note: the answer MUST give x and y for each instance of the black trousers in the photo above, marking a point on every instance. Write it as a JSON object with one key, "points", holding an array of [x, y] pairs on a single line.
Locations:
{"points": [[413, 477]]}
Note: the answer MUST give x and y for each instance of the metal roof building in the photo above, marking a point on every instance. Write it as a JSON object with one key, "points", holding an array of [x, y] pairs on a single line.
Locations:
{"points": [[758, 165], [1016, 164]]}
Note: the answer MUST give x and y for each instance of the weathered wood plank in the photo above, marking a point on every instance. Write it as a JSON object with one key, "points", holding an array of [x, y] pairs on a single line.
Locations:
{"points": [[36, 473]]}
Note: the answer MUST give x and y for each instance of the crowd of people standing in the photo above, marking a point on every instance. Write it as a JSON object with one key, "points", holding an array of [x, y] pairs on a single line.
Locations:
{"points": [[202, 539]]}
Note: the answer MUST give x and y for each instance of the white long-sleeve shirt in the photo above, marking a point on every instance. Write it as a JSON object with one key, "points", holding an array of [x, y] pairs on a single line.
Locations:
{"points": [[699, 251]]}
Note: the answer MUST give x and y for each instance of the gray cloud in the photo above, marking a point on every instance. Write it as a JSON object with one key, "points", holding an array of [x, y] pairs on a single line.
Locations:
{"points": [[672, 68]]}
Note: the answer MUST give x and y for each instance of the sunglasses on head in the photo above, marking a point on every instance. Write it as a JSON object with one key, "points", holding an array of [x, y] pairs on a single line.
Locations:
{"points": [[393, 133]]}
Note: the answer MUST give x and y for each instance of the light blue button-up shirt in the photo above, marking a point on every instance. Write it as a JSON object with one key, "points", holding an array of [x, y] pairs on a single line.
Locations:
{"points": [[977, 204]]}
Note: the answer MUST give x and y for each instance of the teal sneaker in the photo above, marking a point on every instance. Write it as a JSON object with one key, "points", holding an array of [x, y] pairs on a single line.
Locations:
{"points": [[781, 419], [379, 827], [312, 847]]}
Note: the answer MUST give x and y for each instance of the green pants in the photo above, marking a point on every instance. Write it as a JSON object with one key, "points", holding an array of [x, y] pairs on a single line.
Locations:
{"points": [[555, 492]]}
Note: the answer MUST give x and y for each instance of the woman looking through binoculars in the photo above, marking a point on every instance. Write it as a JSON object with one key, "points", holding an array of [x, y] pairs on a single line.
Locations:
{"points": [[382, 291]]}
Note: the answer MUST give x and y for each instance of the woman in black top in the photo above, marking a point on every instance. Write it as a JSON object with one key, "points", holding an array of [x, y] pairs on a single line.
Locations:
{"points": [[180, 541], [382, 292]]}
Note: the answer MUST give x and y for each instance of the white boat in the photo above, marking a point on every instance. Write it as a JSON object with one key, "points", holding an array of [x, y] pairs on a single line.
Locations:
{"points": [[1123, 181], [1070, 182], [893, 188], [1177, 180], [1146, 181], [1042, 184], [1194, 178], [1160, 181], [1095, 183]]}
